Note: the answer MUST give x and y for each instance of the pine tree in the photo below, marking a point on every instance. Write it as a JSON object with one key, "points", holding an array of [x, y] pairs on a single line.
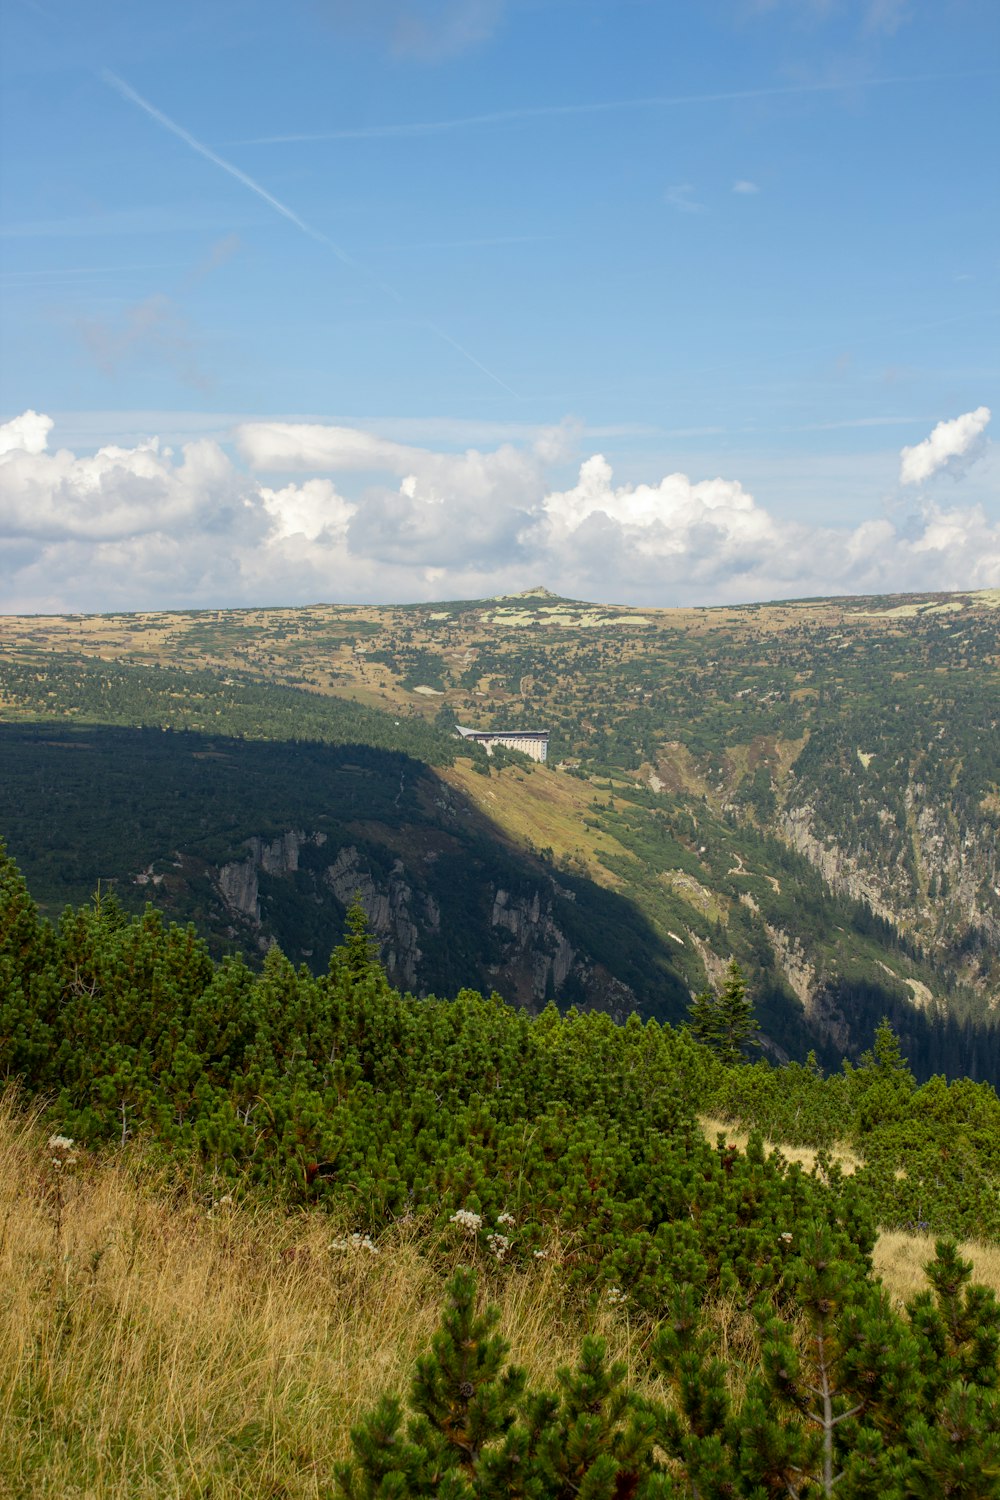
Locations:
{"points": [[693, 1429], [855, 1369], [955, 1443], [824, 1410], [463, 1394], [957, 1325], [724, 1021], [359, 952], [592, 1439], [599, 1440], [387, 1466], [956, 1453]]}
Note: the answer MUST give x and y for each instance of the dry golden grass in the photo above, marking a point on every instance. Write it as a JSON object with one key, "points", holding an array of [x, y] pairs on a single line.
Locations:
{"points": [[804, 1155], [150, 1347], [900, 1259], [535, 805]]}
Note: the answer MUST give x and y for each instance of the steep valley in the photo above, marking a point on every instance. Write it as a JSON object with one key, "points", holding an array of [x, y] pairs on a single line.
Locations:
{"points": [[812, 787]]}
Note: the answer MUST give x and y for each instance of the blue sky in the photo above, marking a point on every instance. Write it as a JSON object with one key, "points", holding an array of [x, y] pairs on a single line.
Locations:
{"points": [[748, 243]]}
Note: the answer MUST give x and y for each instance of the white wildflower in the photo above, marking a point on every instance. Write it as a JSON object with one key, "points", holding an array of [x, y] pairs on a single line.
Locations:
{"points": [[506, 1219], [499, 1244], [356, 1242], [615, 1295], [786, 1237], [541, 1255], [61, 1147], [467, 1220]]}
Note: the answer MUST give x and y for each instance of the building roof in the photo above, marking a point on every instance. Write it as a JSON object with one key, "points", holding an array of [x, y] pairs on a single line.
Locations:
{"points": [[502, 734]]}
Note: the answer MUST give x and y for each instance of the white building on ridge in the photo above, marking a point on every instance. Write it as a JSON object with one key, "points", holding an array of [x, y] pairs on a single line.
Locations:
{"points": [[533, 742]]}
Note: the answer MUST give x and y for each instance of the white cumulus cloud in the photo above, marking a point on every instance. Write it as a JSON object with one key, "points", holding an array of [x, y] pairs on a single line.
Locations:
{"points": [[667, 520], [949, 441], [353, 516], [115, 493], [446, 506], [28, 433], [311, 510]]}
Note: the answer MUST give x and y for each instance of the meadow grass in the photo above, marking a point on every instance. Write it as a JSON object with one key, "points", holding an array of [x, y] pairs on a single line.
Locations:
{"points": [[899, 1260], [152, 1344], [533, 806]]}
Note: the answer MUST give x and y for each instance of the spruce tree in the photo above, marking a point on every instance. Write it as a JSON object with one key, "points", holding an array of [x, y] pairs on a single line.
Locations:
{"points": [[359, 952], [736, 1022], [703, 1018], [724, 1020]]}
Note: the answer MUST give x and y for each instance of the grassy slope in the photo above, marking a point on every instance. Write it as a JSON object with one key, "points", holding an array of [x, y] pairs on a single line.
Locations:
{"points": [[536, 807], [153, 1343]]}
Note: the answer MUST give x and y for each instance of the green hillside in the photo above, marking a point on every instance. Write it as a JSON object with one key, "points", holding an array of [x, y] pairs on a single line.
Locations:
{"points": [[812, 787]]}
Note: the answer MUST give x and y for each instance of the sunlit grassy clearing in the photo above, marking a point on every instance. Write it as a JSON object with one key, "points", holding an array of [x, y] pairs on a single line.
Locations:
{"points": [[804, 1155], [900, 1258], [534, 805]]}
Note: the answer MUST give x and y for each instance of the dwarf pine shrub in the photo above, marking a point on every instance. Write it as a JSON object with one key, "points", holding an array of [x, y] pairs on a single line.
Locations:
{"points": [[846, 1397]]}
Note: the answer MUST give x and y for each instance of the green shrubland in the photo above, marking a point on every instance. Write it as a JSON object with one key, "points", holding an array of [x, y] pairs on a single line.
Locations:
{"points": [[561, 1146], [851, 1398]]}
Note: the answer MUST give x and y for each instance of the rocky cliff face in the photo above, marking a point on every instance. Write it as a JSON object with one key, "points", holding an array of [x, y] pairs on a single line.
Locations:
{"points": [[237, 881], [240, 891], [543, 957], [940, 884], [530, 959], [393, 911], [843, 869], [390, 908]]}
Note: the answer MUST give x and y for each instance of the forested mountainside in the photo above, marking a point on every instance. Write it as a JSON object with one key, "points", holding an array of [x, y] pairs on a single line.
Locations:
{"points": [[812, 787]]}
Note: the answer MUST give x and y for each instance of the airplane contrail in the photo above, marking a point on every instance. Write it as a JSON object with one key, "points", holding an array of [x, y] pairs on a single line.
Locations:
{"points": [[130, 94], [608, 106]]}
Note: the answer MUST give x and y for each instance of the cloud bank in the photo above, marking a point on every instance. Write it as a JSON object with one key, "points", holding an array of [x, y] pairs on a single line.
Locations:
{"points": [[292, 513]]}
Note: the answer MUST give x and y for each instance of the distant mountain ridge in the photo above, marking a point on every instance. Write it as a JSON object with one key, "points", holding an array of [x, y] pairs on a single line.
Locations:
{"points": [[813, 786]]}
